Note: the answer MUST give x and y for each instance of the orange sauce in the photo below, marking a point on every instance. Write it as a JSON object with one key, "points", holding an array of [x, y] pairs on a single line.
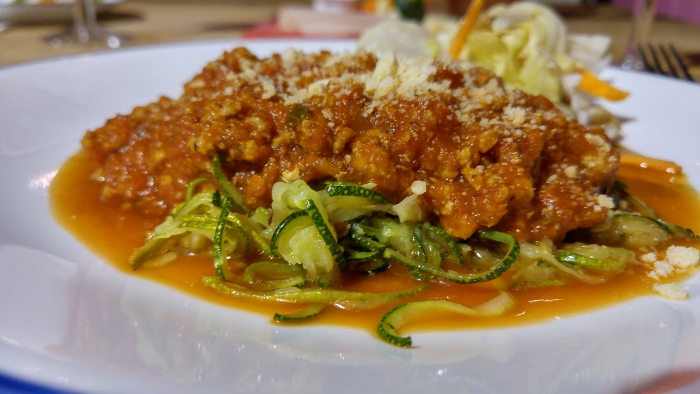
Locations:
{"points": [[114, 233]]}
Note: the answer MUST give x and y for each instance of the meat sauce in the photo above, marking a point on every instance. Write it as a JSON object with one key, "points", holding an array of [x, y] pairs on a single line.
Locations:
{"points": [[490, 157], [113, 233]]}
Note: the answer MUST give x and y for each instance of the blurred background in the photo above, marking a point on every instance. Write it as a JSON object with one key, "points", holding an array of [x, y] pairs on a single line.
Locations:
{"points": [[27, 26]]}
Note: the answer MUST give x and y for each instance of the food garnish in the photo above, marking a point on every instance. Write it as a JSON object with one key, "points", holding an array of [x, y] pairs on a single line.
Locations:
{"points": [[592, 85], [465, 27], [525, 43]]}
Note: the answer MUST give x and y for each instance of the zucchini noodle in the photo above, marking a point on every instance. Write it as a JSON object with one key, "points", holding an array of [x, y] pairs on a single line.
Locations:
{"points": [[301, 248]]}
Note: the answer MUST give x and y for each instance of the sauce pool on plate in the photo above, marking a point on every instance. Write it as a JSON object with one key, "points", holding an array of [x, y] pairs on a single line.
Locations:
{"points": [[113, 233]]}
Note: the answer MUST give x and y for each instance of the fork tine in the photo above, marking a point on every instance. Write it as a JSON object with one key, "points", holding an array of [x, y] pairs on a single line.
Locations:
{"points": [[657, 63], [680, 62], [647, 64], [657, 60], [669, 63]]}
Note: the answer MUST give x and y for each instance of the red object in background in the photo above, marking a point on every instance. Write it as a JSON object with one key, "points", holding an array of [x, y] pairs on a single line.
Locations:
{"points": [[685, 10], [269, 30], [299, 21]]}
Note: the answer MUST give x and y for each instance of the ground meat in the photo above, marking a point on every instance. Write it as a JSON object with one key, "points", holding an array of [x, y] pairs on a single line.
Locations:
{"points": [[490, 157]]}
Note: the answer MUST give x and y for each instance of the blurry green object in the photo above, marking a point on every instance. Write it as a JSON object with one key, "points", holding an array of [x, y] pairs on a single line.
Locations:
{"points": [[411, 9]]}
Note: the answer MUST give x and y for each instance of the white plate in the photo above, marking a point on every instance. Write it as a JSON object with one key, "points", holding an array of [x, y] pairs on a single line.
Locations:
{"points": [[16, 14], [70, 321]]}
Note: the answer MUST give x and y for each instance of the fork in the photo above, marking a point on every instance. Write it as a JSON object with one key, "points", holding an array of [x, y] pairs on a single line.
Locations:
{"points": [[664, 60]]}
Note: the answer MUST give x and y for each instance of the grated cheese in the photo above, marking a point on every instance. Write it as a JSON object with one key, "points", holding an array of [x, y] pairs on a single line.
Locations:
{"points": [[672, 291]]}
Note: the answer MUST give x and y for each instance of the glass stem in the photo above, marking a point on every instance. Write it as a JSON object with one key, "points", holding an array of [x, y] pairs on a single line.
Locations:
{"points": [[643, 14], [84, 19]]}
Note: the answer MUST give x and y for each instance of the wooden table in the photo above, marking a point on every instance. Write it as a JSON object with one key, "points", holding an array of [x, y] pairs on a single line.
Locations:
{"points": [[143, 23], [147, 22]]}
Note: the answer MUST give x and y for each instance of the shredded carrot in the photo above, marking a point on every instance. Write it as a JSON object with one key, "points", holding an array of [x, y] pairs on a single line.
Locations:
{"points": [[369, 6], [376, 6], [465, 27], [592, 85]]}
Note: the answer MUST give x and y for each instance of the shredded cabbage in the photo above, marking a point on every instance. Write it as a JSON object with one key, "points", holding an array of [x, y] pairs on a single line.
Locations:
{"points": [[524, 43]]}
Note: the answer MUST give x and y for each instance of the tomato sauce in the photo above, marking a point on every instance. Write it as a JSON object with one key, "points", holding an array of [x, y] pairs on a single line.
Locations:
{"points": [[113, 233]]}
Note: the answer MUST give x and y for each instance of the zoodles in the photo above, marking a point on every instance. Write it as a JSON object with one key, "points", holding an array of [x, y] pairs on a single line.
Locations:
{"points": [[301, 248]]}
